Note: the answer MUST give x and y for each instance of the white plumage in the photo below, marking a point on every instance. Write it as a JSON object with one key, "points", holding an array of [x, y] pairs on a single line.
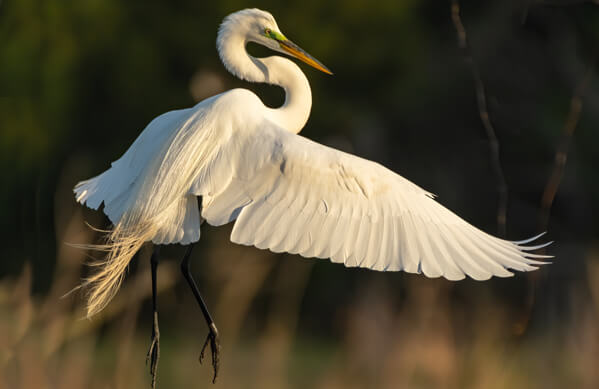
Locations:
{"points": [[285, 192]]}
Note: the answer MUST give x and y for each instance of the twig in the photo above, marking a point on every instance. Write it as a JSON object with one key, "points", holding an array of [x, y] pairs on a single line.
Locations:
{"points": [[483, 111], [561, 154]]}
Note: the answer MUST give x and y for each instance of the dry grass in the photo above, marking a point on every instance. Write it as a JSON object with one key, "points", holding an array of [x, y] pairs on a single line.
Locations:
{"points": [[44, 343]]}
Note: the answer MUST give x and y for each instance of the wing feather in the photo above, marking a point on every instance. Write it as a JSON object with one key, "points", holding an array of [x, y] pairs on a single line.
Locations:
{"points": [[384, 253], [411, 244], [338, 237], [394, 261]]}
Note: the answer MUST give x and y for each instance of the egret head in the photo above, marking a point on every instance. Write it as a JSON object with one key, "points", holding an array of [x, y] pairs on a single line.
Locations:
{"points": [[260, 27]]}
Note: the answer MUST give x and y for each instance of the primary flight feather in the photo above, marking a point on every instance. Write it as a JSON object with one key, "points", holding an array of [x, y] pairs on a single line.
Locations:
{"points": [[284, 192]]}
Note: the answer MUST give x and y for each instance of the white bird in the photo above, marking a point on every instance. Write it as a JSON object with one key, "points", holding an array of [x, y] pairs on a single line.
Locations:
{"points": [[246, 163]]}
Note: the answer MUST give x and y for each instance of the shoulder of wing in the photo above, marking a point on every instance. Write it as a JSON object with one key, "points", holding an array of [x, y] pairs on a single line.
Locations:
{"points": [[295, 157]]}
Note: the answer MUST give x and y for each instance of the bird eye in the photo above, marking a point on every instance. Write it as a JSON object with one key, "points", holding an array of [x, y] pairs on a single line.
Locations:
{"points": [[267, 31]]}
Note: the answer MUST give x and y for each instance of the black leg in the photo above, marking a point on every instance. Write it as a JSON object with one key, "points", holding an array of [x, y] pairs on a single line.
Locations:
{"points": [[212, 337], [154, 352]]}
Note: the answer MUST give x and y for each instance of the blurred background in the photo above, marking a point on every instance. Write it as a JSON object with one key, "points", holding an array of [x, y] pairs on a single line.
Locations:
{"points": [[79, 80]]}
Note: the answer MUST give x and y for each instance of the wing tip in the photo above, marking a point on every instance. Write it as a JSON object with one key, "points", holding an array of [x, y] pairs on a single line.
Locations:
{"points": [[535, 247], [524, 249], [525, 241]]}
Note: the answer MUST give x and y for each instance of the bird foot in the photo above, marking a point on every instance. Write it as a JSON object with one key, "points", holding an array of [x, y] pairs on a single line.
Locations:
{"points": [[214, 342], [154, 351]]}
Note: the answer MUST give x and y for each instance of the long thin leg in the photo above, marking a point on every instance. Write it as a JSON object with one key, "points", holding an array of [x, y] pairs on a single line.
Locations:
{"points": [[212, 337], [154, 352]]}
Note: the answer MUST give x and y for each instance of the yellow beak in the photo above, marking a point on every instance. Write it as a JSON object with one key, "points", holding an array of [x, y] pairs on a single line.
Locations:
{"points": [[297, 52]]}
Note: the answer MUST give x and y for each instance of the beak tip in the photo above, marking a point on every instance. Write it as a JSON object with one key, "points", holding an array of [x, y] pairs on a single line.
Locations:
{"points": [[325, 70]]}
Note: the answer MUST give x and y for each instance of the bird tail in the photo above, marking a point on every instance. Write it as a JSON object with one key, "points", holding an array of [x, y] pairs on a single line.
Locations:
{"points": [[122, 242]]}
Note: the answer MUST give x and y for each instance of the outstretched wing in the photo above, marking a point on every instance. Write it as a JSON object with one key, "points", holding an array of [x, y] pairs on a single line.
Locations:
{"points": [[290, 194]]}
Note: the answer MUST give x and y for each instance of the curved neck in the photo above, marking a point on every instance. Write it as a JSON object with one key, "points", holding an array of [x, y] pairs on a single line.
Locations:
{"points": [[275, 70]]}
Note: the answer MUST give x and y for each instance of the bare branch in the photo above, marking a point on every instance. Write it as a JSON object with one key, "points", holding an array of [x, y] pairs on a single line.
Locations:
{"points": [[561, 154], [481, 101]]}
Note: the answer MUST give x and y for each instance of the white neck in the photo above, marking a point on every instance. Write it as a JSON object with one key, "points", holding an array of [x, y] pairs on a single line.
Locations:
{"points": [[276, 70]]}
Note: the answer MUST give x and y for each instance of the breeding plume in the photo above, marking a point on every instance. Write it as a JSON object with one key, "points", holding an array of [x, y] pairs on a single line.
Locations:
{"points": [[231, 158]]}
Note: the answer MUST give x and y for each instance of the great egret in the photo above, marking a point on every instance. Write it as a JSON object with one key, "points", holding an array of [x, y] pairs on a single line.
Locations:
{"points": [[231, 158]]}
